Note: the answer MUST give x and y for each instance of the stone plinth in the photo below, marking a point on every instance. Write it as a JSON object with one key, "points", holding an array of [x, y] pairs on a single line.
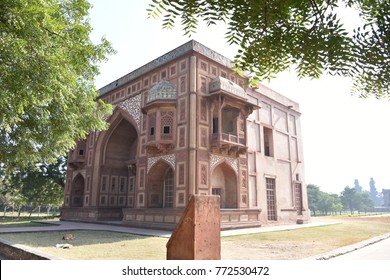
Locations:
{"points": [[197, 235]]}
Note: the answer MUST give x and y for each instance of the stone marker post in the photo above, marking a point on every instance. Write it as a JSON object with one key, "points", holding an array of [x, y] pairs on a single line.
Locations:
{"points": [[197, 235]]}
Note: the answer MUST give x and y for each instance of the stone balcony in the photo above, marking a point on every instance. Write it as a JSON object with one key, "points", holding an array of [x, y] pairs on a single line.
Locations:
{"points": [[230, 143]]}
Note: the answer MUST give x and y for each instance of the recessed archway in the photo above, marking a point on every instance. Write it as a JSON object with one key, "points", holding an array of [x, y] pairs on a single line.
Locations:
{"points": [[117, 159], [160, 186], [77, 194], [121, 146], [224, 184]]}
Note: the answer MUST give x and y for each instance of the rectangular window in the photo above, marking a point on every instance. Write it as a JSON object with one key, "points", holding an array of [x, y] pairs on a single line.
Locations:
{"points": [[131, 184], [163, 74], [215, 125], [104, 183], [103, 201], [114, 184], [271, 199], [167, 129], [216, 191], [172, 70], [112, 201], [168, 190], [152, 126], [268, 142], [122, 185]]}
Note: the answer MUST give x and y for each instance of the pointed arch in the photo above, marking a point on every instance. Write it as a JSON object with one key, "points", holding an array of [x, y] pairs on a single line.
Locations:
{"points": [[120, 147], [160, 185], [77, 192], [116, 117], [119, 115], [169, 159], [115, 157], [216, 160], [224, 184]]}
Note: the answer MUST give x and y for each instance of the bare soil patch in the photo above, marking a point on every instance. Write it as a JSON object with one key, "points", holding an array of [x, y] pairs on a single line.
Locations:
{"points": [[306, 242]]}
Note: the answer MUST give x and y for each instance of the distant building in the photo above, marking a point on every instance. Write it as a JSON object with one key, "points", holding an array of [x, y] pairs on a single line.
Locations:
{"points": [[386, 197], [185, 124]]}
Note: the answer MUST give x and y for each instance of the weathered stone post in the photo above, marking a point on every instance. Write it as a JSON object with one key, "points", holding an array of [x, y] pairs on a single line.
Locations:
{"points": [[197, 236]]}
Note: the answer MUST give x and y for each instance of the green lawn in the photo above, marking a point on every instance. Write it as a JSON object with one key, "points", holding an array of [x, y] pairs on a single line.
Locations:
{"points": [[94, 245], [290, 244], [25, 221]]}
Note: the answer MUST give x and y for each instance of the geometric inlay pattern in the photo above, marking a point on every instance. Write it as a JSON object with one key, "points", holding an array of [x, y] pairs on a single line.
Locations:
{"points": [[216, 159], [171, 159], [133, 107]]}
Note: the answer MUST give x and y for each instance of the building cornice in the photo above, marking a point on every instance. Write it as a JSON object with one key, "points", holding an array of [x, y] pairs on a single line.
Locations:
{"points": [[191, 46]]}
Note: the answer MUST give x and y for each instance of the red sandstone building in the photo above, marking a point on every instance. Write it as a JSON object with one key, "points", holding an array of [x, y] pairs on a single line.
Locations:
{"points": [[185, 124]]}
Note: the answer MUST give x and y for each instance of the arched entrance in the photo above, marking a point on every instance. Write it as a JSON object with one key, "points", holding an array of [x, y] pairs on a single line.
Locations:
{"points": [[77, 195], [224, 184], [121, 146], [118, 170], [160, 186]]}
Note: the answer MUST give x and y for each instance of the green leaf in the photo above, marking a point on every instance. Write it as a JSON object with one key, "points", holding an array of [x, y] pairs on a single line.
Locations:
{"points": [[47, 75]]}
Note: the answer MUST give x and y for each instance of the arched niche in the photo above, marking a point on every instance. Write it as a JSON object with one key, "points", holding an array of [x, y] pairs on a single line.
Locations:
{"points": [[224, 184], [160, 185]]}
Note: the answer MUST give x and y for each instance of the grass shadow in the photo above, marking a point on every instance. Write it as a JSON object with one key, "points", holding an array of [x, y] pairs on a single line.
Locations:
{"points": [[92, 245]]}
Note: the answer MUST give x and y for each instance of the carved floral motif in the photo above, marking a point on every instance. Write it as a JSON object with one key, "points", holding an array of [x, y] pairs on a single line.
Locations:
{"points": [[216, 159], [171, 159], [133, 107]]}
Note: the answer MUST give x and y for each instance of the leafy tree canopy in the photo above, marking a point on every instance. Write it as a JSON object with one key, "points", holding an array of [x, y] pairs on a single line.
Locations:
{"points": [[354, 200], [322, 201], [374, 194], [47, 68], [358, 188], [34, 185], [309, 35]]}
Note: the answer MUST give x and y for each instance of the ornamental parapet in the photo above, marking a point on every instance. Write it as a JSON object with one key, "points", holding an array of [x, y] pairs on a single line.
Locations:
{"points": [[220, 84], [162, 90]]}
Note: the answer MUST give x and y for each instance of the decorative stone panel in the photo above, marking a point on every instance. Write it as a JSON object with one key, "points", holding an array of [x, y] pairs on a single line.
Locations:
{"points": [[162, 90], [133, 107], [171, 159], [216, 159]]}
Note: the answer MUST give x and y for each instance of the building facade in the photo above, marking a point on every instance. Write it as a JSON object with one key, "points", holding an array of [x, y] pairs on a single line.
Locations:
{"points": [[186, 124], [386, 197]]}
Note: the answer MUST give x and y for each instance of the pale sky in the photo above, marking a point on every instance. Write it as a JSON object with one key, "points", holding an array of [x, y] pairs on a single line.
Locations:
{"points": [[344, 137]]}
